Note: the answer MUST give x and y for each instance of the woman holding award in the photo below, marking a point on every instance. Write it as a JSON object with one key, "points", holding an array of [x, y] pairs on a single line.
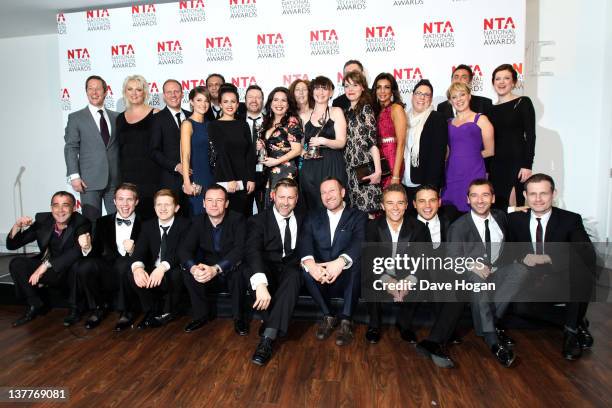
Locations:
{"points": [[194, 150], [282, 134]]}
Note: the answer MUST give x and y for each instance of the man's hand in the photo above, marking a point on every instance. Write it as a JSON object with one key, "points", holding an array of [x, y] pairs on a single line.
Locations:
{"points": [[38, 273], [85, 242], [156, 277], [141, 277], [78, 185], [533, 259], [316, 271], [333, 269], [128, 245], [262, 297], [250, 187], [483, 271], [23, 222]]}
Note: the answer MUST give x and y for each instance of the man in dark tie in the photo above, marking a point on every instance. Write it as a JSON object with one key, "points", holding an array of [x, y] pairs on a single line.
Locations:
{"points": [[480, 235], [107, 260], [56, 234], [274, 264], [213, 252], [213, 83], [330, 253], [254, 104], [166, 138], [479, 104], [91, 151], [557, 247], [155, 270]]}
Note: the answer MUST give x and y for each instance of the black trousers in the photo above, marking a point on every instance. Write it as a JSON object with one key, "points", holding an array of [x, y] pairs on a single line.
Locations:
{"points": [[284, 285], [150, 298], [198, 292], [96, 281], [570, 315], [22, 268], [346, 286], [240, 201]]}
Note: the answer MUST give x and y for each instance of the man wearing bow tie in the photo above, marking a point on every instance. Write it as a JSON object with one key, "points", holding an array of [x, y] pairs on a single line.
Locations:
{"points": [[254, 104]]}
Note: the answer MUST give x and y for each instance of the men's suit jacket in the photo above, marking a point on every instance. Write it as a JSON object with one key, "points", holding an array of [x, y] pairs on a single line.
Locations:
{"points": [[105, 243], [41, 230], [467, 242], [264, 248], [149, 242], [447, 214], [478, 104], [86, 154], [198, 245], [348, 237], [166, 147]]}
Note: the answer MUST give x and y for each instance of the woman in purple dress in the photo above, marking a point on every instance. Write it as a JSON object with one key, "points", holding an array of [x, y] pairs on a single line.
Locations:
{"points": [[470, 141]]}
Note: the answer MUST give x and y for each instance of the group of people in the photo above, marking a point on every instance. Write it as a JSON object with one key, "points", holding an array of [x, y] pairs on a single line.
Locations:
{"points": [[268, 198]]}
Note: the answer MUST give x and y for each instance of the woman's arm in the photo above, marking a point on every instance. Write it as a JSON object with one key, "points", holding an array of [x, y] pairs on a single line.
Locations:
{"points": [[400, 123], [488, 140], [186, 132]]}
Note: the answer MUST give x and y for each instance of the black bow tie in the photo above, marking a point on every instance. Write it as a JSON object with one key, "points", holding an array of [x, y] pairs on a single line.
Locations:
{"points": [[121, 221]]}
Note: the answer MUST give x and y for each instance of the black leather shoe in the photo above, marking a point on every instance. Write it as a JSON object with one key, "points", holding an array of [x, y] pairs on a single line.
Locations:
{"points": [[435, 351], [407, 334], [372, 335], [73, 317], [326, 327], [30, 314], [345, 333], [195, 324], [147, 321], [504, 338], [96, 317], [571, 346], [503, 354], [455, 339], [241, 327], [585, 339], [263, 352], [163, 319], [125, 321]]}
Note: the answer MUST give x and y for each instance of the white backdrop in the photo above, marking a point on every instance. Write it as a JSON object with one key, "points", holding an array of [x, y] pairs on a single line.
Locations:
{"points": [[273, 42]]}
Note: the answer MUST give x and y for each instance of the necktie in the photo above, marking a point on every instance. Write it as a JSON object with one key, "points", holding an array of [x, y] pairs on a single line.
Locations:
{"points": [[216, 112], [122, 221], [254, 127], [287, 239], [104, 128], [163, 247], [178, 119], [488, 241], [539, 238]]}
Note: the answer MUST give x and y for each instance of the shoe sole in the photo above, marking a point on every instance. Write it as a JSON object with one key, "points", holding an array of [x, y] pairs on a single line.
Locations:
{"points": [[438, 361]]}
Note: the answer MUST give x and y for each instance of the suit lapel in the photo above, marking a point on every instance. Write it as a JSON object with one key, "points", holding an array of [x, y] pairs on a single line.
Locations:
{"points": [[343, 219], [135, 228], [324, 223], [383, 230], [473, 231], [551, 226]]}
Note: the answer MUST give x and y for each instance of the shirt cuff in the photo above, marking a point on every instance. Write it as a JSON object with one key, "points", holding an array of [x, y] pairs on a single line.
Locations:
{"points": [[257, 279], [85, 253], [166, 265], [306, 258], [350, 261], [137, 265], [74, 176]]}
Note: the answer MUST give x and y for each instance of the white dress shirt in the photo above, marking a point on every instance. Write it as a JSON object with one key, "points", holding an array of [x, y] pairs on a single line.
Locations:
{"points": [[123, 232], [533, 225], [334, 220], [174, 112], [497, 236]]}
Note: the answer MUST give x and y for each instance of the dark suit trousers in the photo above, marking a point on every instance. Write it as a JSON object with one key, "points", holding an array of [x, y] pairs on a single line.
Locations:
{"points": [[346, 286], [570, 315], [284, 287], [170, 287], [96, 281], [258, 196], [240, 201], [198, 292], [22, 268]]}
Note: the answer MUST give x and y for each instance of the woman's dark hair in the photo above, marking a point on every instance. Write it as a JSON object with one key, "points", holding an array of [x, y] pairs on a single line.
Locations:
{"points": [[397, 97], [268, 120], [505, 67], [321, 81], [228, 88], [199, 90], [358, 78], [423, 82], [306, 82]]}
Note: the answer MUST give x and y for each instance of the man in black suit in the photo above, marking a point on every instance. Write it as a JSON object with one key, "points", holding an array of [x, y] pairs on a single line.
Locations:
{"points": [[274, 264], [330, 253], [480, 235], [166, 140], [56, 234], [214, 248], [254, 97], [479, 104], [107, 260], [156, 251], [350, 65], [543, 228], [214, 82]]}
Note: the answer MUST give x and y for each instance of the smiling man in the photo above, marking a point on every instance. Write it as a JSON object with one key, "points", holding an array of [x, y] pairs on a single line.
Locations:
{"points": [[479, 104]]}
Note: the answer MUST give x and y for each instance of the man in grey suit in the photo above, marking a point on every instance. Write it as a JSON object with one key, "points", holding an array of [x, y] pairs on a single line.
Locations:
{"points": [[92, 151]]}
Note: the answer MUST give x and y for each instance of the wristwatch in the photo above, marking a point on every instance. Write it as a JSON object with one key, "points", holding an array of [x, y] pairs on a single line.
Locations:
{"points": [[345, 259]]}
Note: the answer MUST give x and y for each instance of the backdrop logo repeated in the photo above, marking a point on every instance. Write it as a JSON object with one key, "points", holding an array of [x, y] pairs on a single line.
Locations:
{"points": [[295, 7], [243, 8], [243, 82], [61, 23], [109, 101], [438, 34], [98, 20], [193, 10], [144, 15], [123, 56], [407, 78], [169, 52], [156, 97], [187, 85], [78, 60], [520, 83], [65, 100], [499, 31], [219, 49], [342, 5], [324, 42], [289, 78], [270, 45], [408, 2], [379, 39]]}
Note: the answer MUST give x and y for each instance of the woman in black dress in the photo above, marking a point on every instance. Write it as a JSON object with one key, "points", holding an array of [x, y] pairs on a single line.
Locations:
{"points": [[513, 119], [326, 129], [235, 153], [134, 135]]}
